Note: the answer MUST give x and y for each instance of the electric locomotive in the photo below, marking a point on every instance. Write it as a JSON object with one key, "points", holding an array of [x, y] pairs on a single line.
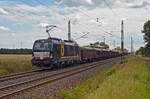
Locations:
{"points": [[54, 52]]}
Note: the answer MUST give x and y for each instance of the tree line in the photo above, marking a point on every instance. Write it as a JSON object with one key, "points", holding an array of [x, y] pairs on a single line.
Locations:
{"points": [[145, 51], [15, 51]]}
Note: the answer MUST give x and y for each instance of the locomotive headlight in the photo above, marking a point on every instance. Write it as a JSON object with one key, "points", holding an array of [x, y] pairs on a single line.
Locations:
{"points": [[51, 56]]}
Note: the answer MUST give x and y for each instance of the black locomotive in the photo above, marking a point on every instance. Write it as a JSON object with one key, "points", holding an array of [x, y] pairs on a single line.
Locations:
{"points": [[51, 52]]}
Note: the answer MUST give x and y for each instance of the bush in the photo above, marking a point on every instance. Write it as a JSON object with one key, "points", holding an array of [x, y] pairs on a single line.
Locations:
{"points": [[110, 72], [124, 61], [64, 94], [3, 72], [76, 93]]}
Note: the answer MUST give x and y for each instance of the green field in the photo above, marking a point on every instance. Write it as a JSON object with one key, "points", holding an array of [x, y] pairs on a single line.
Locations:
{"points": [[129, 79], [15, 64]]}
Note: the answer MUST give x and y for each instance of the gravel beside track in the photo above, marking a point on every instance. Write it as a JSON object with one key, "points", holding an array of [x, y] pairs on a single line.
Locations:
{"points": [[45, 84]]}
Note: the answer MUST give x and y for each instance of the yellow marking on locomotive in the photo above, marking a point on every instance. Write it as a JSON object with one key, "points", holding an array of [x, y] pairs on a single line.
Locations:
{"points": [[70, 57], [62, 50]]}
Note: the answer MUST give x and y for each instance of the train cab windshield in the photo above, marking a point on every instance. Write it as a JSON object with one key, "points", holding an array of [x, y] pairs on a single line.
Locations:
{"points": [[41, 46]]}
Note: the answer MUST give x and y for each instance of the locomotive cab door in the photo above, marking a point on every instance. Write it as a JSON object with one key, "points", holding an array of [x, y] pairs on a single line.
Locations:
{"points": [[56, 52]]}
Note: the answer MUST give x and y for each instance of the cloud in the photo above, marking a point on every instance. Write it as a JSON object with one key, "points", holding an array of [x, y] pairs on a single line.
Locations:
{"points": [[139, 5], [83, 20], [92, 21], [43, 25], [29, 8], [106, 3], [72, 3], [89, 2], [3, 11], [4, 28]]}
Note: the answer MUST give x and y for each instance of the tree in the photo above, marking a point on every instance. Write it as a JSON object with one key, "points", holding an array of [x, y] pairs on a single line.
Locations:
{"points": [[145, 51], [103, 45], [99, 45], [119, 49], [146, 31], [140, 51]]}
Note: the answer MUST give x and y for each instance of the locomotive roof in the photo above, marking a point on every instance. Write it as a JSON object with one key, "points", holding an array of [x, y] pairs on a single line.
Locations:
{"points": [[59, 41], [39, 40], [66, 42], [73, 43], [55, 39]]}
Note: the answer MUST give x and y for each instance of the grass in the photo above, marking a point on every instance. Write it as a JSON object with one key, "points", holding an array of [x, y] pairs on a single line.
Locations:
{"points": [[130, 82], [89, 86], [15, 64]]}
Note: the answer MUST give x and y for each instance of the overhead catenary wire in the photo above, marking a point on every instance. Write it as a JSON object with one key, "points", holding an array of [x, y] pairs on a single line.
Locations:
{"points": [[103, 30], [106, 36], [106, 33], [111, 8], [43, 5], [84, 14], [82, 36], [38, 1], [90, 16], [109, 33], [113, 13], [65, 16]]}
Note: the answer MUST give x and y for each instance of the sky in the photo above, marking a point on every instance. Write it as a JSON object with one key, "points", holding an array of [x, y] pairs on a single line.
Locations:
{"points": [[23, 21]]}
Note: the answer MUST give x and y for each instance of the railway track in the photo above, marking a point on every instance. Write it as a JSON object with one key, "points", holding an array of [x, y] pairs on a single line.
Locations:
{"points": [[11, 79], [17, 75], [49, 77], [27, 76]]}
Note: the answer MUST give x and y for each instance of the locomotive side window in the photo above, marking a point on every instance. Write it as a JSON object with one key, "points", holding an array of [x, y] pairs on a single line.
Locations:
{"points": [[76, 50], [71, 50], [67, 50], [59, 53]]}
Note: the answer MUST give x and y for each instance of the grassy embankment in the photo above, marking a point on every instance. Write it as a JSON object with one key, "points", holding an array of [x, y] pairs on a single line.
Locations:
{"points": [[15, 64], [129, 79]]}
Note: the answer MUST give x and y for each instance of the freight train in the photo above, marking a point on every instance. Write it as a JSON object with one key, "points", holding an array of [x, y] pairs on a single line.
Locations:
{"points": [[54, 52]]}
